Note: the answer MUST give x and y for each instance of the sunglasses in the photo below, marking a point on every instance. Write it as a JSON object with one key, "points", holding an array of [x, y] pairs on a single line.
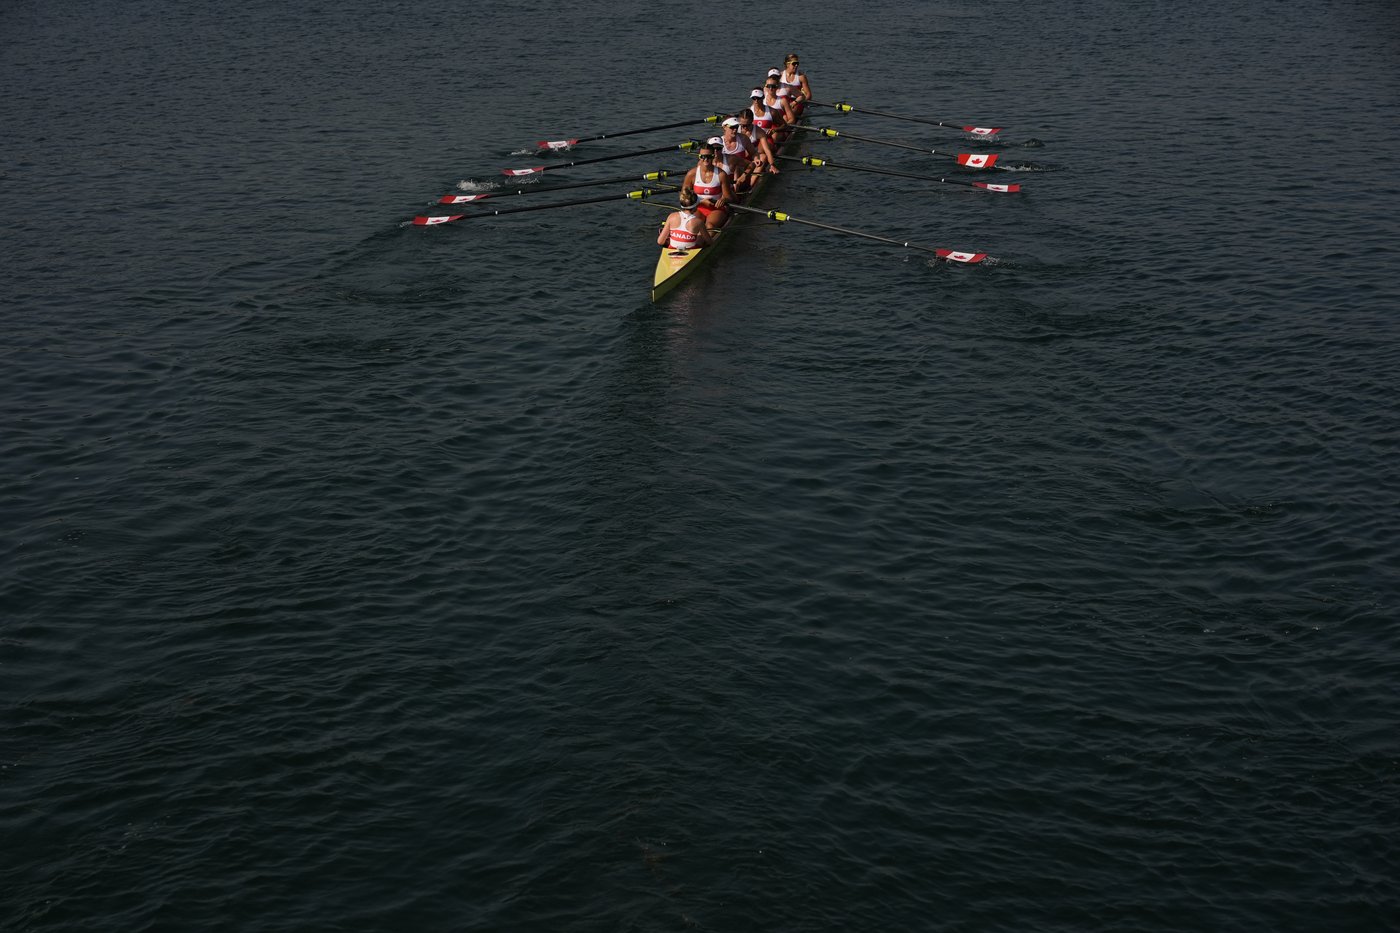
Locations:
{"points": [[771, 86]]}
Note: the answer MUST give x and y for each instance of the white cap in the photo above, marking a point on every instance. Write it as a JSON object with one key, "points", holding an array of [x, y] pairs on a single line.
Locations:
{"points": [[715, 141], [732, 121], [773, 71], [755, 93]]}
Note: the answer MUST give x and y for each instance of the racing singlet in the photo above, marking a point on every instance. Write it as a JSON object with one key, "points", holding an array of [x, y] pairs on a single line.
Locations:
{"points": [[763, 116], [711, 190], [682, 237]]}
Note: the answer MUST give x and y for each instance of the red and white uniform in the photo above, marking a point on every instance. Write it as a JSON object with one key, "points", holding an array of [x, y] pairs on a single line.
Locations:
{"points": [[682, 237], [791, 84], [708, 190], [736, 155], [762, 115]]}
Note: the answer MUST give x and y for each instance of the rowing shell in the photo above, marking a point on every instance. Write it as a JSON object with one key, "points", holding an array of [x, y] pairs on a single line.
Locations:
{"points": [[674, 266]]}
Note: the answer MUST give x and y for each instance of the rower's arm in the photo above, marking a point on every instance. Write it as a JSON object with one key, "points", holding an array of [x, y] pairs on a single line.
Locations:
{"points": [[664, 237]]}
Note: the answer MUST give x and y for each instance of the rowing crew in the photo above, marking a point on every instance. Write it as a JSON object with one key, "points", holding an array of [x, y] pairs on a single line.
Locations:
{"points": [[710, 186], [731, 164], [725, 166]]}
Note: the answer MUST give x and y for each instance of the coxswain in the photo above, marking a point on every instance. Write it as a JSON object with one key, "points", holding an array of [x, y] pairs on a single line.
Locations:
{"points": [[736, 154], [710, 184], [684, 229], [794, 80]]}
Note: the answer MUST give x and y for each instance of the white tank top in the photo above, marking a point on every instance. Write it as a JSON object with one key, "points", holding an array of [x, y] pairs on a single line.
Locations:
{"points": [[681, 236], [708, 190], [735, 154]]}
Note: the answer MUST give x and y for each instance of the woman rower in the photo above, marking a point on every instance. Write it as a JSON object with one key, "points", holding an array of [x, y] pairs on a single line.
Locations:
{"points": [[710, 184], [736, 155], [684, 229], [773, 75], [780, 111], [794, 80], [766, 160]]}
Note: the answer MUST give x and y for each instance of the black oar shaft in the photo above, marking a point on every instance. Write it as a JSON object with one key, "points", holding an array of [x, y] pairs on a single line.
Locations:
{"points": [[814, 162], [626, 179], [434, 221], [833, 134], [685, 146], [712, 118], [844, 107], [788, 218], [984, 160], [574, 203]]}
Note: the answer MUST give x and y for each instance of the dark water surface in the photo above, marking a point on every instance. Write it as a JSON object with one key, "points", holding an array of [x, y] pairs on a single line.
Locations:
{"points": [[358, 576]]}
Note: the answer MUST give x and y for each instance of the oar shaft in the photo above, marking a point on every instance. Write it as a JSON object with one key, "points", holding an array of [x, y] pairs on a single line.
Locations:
{"points": [[814, 162], [627, 179], [969, 159], [833, 134], [844, 107], [788, 218], [683, 147], [712, 118], [951, 255], [434, 221]]}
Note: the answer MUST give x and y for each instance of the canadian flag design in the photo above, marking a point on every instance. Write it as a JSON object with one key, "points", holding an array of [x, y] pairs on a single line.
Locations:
{"points": [[1006, 189], [517, 172], [433, 221], [976, 160], [953, 255], [462, 198], [556, 143], [982, 130]]}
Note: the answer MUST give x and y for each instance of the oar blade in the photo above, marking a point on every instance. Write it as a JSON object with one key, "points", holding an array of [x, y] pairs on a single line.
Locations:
{"points": [[977, 159], [435, 221], [953, 255], [521, 172], [1003, 189], [556, 144], [982, 130], [462, 198]]}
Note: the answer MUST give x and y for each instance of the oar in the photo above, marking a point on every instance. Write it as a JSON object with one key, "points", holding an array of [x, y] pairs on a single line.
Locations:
{"points": [[985, 186], [549, 144], [971, 160], [951, 255], [469, 198], [950, 124], [450, 218], [518, 172]]}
